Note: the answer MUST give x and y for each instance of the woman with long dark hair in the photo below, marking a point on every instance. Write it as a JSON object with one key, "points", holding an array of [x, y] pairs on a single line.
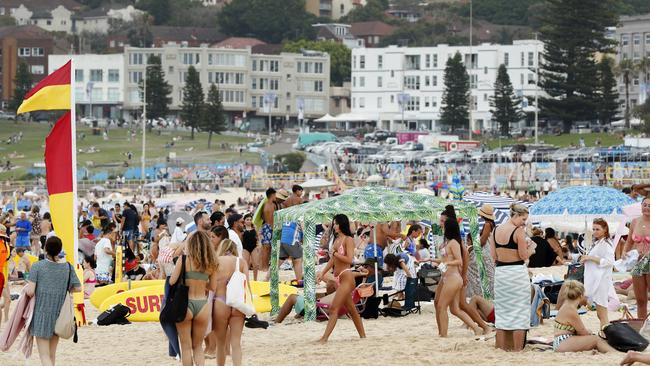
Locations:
{"points": [[341, 258], [450, 288]]}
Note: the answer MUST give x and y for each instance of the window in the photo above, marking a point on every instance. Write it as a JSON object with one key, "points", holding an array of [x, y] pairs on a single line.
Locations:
{"points": [[521, 79], [412, 82], [531, 79], [380, 82], [392, 98], [254, 101], [473, 80], [378, 102], [299, 67], [97, 94], [636, 39], [135, 77], [135, 59], [427, 61], [37, 69], [38, 52], [485, 97], [392, 73], [435, 61], [24, 52], [380, 62], [354, 102], [362, 82], [427, 81], [531, 59], [435, 80], [625, 40], [485, 70], [362, 102], [113, 75], [255, 65], [434, 102], [78, 75], [427, 102], [506, 58], [413, 104], [190, 58], [253, 83], [275, 66], [354, 62], [635, 81], [113, 94], [412, 62], [318, 85], [354, 82], [96, 75], [362, 62], [522, 59], [647, 39], [262, 63]]}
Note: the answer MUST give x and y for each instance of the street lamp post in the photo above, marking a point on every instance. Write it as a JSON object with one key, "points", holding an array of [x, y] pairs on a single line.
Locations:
{"points": [[536, 91], [471, 67], [144, 130]]}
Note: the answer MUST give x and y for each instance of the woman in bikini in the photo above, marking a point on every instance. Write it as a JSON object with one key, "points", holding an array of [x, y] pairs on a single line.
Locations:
{"points": [[341, 260], [639, 239], [229, 322], [451, 284], [200, 276], [570, 334]]}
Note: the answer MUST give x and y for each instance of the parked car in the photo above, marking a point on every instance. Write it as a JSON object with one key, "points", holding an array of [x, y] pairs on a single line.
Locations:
{"points": [[378, 135], [7, 115]]}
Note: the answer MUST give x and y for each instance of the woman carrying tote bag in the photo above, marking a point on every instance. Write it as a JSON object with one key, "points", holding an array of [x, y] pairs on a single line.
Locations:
{"points": [[49, 282]]}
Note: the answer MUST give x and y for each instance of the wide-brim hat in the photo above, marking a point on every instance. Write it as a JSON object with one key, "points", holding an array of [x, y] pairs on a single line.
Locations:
{"points": [[282, 194], [487, 212]]}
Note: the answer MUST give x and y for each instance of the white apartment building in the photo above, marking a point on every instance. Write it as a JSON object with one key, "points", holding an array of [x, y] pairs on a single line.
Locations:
{"points": [[633, 37], [98, 83], [295, 85], [381, 75]]}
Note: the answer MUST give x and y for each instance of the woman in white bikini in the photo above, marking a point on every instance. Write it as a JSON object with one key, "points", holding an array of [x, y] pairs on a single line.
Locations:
{"points": [[452, 281], [341, 260], [639, 240]]}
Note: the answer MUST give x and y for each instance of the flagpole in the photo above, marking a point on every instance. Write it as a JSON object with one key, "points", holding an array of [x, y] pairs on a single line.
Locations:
{"points": [[73, 132]]}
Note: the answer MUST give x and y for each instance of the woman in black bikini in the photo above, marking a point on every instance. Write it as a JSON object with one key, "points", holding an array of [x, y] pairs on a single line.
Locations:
{"points": [[341, 258], [249, 242]]}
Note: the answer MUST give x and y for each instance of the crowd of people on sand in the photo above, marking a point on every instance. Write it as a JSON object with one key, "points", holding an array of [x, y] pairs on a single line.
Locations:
{"points": [[222, 241]]}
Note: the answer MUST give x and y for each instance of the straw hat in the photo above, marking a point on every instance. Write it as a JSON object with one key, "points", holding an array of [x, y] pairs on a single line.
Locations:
{"points": [[282, 194], [487, 212]]}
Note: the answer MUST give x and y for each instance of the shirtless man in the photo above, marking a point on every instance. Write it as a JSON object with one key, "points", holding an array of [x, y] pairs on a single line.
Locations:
{"points": [[296, 197], [387, 231], [273, 203]]}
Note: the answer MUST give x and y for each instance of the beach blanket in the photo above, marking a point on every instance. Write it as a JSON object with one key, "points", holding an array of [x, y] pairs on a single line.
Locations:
{"points": [[258, 219], [512, 298]]}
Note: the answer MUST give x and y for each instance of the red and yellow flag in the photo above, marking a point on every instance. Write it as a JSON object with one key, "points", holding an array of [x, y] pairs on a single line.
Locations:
{"points": [[52, 93]]}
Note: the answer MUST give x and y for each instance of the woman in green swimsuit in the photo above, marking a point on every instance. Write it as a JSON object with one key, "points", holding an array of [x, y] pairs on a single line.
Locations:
{"points": [[200, 276]]}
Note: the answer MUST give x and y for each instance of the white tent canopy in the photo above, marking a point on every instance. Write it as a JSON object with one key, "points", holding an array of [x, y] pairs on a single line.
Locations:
{"points": [[317, 183], [325, 118]]}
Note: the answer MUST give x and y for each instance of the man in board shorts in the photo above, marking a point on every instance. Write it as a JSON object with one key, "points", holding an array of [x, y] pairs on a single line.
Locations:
{"points": [[273, 203]]}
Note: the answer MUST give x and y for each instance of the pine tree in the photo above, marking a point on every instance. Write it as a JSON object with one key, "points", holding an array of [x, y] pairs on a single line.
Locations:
{"points": [[158, 90], [573, 32], [23, 84], [455, 99], [506, 106], [193, 100], [214, 118], [607, 92]]}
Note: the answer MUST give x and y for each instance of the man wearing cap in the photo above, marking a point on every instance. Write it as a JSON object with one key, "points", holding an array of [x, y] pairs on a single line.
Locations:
{"points": [[235, 231], [178, 236]]}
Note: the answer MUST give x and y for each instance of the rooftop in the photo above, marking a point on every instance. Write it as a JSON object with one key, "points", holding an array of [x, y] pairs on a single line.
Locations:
{"points": [[239, 42], [374, 28], [180, 34], [42, 4], [24, 32]]}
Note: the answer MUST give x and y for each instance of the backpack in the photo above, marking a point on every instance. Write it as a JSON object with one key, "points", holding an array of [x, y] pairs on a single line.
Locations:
{"points": [[540, 307], [117, 314]]}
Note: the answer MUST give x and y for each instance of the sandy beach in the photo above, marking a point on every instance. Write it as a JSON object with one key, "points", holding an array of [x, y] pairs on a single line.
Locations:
{"points": [[411, 340]]}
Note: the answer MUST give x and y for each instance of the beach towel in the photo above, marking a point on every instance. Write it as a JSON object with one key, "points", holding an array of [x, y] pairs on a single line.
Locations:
{"points": [[19, 321], [258, 219], [512, 298]]}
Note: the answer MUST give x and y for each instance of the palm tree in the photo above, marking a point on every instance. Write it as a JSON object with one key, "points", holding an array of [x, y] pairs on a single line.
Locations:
{"points": [[643, 66], [626, 68]]}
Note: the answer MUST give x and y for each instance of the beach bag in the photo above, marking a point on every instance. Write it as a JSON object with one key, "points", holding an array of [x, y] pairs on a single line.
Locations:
{"points": [[371, 311], [66, 326], [236, 292], [117, 314], [576, 272], [175, 308], [630, 320], [624, 338]]}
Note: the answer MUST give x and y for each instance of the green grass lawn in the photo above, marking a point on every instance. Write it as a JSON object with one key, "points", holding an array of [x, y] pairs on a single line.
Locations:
{"points": [[112, 152], [564, 140]]}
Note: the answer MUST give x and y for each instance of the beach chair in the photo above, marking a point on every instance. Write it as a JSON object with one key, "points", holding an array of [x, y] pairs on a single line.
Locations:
{"points": [[411, 301], [360, 297]]}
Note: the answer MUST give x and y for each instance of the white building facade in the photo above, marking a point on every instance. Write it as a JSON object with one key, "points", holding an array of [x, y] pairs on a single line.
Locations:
{"points": [[98, 82], [382, 77], [299, 83]]}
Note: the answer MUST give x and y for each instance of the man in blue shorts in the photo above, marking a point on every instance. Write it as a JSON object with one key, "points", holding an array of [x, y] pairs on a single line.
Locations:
{"points": [[273, 203]]}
